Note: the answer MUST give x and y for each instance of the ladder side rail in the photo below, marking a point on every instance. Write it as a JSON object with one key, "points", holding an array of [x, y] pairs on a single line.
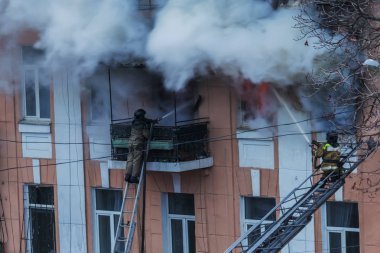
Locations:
{"points": [[131, 231], [121, 218], [274, 210], [299, 203], [279, 222], [284, 239], [304, 218], [319, 201]]}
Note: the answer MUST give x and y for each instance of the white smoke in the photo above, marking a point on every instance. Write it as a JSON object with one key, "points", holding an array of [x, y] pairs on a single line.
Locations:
{"points": [[242, 38], [81, 33]]}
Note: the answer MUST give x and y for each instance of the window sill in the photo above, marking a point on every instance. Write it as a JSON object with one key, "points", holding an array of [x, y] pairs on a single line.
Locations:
{"points": [[34, 126]]}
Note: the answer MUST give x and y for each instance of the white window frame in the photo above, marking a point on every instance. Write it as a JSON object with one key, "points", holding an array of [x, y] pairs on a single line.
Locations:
{"points": [[27, 218], [98, 213], [167, 245], [244, 223], [36, 70], [327, 229]]}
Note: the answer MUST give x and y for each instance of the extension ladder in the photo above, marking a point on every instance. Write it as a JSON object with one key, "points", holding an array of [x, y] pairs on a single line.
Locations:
{"points": [[296, 209], [128, 215]]}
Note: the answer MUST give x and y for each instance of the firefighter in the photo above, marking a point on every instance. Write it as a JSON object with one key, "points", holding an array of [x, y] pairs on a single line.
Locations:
{"points": [[330, 154], [137, 143]]}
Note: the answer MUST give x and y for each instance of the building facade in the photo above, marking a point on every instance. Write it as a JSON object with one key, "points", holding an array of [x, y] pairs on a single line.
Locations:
{"points": [[62, 167]]}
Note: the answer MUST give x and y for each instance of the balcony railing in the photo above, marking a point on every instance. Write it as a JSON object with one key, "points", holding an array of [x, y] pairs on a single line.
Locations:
{"points": [[184, 142]]}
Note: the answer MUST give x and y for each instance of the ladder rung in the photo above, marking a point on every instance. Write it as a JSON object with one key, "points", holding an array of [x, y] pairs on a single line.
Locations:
{"points": [[122, 239], [128, 224]]}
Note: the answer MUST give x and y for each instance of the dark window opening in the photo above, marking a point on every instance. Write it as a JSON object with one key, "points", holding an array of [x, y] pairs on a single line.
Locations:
{"points": [[181, 203], [256, 208]]}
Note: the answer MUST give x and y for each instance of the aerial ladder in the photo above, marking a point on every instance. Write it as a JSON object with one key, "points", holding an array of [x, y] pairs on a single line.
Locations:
{"points": [[128, 215], [295, 211]]}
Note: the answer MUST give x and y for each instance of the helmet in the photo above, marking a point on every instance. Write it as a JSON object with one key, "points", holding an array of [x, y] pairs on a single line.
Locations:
{"points": [[140, 113], [332, 137]]}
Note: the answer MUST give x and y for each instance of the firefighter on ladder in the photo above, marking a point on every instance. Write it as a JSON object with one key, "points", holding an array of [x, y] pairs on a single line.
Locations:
{"points": [[330, 154], [137, 144]]}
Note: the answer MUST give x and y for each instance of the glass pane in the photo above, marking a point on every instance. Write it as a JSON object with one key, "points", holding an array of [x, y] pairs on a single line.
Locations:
{"points": [[108, 200], [253, 236], [352, 242], [181, 203], [119, 245], [43, 195], [30, 93], [177, 236], [335, 242], [44, 93], [256, 208], [31, 55], [99, 107], [191, 235], [43, 237], [342, 214], [104, 234]]}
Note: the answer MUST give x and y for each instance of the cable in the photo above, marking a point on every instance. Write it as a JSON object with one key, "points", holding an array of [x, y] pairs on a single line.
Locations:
{"points": [[241, 132], [225, 137]]}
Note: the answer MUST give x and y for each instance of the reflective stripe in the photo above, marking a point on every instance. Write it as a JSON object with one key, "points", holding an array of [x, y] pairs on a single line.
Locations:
{"points": [[329, 148], [326, 146]]}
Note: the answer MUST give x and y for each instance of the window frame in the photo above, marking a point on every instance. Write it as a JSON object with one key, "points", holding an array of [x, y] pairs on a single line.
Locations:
{"points": [[166, 226], [341, 230], [27, 217], [36, 70], [244, 222], [97, 213]]}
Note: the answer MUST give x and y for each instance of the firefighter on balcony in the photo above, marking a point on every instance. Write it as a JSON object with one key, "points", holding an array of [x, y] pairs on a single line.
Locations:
{"points": [[137, 144], [330, 154]]}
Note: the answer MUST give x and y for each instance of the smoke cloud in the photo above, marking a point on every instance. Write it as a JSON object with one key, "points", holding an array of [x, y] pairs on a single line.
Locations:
{"points": [[189, 37], [241, 38], [79, 33]]}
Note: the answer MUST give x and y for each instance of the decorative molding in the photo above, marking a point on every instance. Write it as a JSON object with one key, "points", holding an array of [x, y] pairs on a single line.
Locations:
{"points": [[176, 182], [36, 145], [255, 177], [34, 127], [104, 175], [36, 171], [255, 153]]}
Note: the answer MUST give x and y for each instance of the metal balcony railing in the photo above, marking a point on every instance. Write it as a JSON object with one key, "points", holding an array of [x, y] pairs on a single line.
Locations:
{"points": [[144, 5], [185, 142]]}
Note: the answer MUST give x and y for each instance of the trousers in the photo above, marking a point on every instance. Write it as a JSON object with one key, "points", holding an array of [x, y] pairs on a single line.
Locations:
{"points": [[134, 159]]}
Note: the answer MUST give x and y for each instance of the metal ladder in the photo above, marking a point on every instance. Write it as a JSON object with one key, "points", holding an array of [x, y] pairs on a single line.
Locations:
{"points": [[128, 216], [296, 209]]}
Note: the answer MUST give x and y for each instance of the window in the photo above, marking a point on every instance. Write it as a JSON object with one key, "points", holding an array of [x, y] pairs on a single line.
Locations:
{"points": [[253, 210], [39, 219], [342, 227], [98, 95], [180, 223], [36, 88], [107, 213]]}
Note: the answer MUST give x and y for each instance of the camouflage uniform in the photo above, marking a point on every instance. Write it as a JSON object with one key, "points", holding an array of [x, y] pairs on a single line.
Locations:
{"points": [[136, 146]]}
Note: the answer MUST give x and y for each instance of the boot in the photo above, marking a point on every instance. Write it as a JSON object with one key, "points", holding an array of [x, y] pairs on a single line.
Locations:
{"points": [[134, 180]]}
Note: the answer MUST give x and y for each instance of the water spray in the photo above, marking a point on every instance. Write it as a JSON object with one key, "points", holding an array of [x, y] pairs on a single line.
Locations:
{"points": [[281, 100], [181, 107]]}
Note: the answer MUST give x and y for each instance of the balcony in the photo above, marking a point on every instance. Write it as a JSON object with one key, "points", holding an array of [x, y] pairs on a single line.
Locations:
{"points": [[172, 148]]}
